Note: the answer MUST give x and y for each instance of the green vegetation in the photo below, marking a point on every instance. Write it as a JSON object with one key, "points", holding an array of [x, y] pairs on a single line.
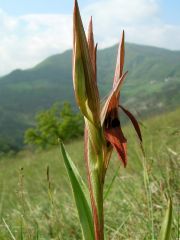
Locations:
{"points": [[53, 124], [152, 86], [38, 204]]}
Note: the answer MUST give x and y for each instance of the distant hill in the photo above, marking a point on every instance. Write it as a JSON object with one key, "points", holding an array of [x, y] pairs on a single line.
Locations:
{"points": [[152, 85]]}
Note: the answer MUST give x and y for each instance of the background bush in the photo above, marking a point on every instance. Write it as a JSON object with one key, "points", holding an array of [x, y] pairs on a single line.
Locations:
{"points": [[53, 124]]}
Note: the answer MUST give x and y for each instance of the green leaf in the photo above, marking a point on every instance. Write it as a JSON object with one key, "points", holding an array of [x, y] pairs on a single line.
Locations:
{"points": [[165, 232], [80, 196]]}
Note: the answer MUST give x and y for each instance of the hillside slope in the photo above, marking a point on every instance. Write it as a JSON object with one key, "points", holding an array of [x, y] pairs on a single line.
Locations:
{"points": [[26, 202], [152, 85]]}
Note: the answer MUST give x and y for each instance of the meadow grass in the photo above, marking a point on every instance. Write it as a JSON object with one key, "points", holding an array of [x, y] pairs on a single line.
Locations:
{"points": [[34, 207]]}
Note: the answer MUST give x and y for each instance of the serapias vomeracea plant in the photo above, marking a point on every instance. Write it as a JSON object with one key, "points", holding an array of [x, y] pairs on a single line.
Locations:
{"points": [[102, 127]]}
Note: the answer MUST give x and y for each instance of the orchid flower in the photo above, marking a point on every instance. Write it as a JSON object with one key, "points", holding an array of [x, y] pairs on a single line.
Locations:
{"points": [[86, 91], [109, 114], [102, 124]]}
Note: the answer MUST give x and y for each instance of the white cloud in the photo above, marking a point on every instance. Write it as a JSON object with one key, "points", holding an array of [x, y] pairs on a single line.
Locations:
{"points": [[139, 18], [162, 35], [28, 39], [107, 11], [7, 22]]}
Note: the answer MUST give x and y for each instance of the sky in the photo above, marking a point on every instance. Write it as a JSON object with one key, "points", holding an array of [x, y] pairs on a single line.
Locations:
{"points": [[31, 30]]}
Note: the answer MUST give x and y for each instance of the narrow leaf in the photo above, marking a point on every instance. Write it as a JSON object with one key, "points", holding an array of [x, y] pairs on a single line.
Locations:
{"points": [[165, 232], [9, 230], [79, 191]]}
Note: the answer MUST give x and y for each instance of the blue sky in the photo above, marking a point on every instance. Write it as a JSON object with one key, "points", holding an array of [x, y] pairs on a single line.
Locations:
{"points": [[169, 9], [31, 30], [19, 7]]}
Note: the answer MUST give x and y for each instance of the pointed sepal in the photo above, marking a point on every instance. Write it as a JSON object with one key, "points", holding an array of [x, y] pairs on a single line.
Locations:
{"points": [[120, 61], [134, 122], [113, 94], [85, 86]]}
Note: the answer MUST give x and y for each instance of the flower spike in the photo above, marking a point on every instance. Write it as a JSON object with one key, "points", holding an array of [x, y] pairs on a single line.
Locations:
{"points": [[102, 127]]}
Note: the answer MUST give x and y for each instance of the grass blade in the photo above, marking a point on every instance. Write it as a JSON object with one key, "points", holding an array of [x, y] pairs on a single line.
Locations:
{"points": [[37, 231], [165, 232], [21, 231], [111, 183], [9, 230], [82, 204]]}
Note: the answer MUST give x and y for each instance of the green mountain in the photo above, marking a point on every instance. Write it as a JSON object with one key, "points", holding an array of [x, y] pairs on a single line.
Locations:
{"points": [[152, 86]]}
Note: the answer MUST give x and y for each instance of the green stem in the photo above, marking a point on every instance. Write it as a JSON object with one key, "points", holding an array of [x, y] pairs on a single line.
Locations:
{"points": [[94, 166], [96, 195]]}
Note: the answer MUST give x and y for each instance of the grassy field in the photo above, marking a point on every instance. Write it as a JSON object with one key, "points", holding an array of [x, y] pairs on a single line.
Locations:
{"points": [[33, 208]]}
